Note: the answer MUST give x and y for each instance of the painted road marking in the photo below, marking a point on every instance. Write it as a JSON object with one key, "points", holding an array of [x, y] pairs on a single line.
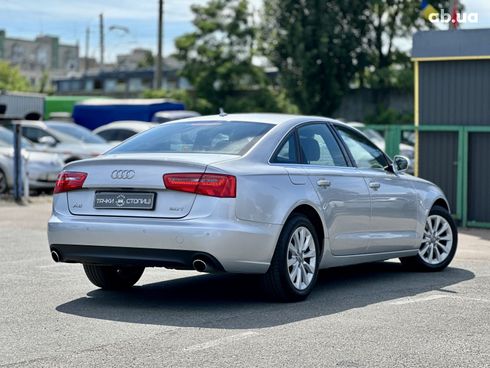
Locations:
{"points": [[221, 341], [418, 299]]}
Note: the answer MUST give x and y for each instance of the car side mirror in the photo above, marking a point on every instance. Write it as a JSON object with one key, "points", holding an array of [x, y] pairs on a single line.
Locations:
{"points": [[400, 163], [48, 141]]}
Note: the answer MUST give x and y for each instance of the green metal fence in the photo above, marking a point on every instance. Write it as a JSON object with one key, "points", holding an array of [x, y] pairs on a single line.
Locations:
{"points": [[393, 138]]}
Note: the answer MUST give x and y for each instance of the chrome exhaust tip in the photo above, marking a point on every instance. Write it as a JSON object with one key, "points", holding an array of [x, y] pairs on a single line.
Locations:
{"points": [[55, 256], [199, 265]]}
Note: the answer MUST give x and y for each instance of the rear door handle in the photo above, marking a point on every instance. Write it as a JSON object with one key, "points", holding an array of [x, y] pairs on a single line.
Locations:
{"points": [[374, 185], [323, 183]]}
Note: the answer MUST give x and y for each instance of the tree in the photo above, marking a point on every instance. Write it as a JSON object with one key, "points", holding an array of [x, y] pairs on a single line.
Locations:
{"points": [[218, 59], [316, 46], [385, 64], [11, 79], [148, 60]]}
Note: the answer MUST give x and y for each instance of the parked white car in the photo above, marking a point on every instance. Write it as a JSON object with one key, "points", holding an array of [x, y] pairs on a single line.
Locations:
{"points": [[171, 115], [42, 168], [119, 131], [50, 140]]}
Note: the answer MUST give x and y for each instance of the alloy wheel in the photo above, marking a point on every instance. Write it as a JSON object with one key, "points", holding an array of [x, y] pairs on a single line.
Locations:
{"points": [[301, 258], [437, 241]]}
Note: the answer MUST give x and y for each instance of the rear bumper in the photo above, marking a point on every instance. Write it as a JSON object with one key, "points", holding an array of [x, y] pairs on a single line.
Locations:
{"points": [[124, 256], [237, 246]]}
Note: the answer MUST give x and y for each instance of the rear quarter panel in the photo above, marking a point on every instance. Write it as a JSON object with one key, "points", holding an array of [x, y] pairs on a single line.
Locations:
{"points": [[266, 194]]}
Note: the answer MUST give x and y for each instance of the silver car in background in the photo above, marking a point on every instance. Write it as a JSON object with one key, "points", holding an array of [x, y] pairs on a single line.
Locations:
{"points": [[118, 131], [42, 168], [69, 145], [277, 195]]}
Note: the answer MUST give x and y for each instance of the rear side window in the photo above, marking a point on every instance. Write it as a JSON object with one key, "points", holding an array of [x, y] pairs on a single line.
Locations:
{"points": [[234, 138], [116, 134], [319, 147], [34, 134], [288, 152]]}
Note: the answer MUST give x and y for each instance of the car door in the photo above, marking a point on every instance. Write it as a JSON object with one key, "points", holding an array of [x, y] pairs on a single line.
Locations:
{"points": [[393, 199], [341, 188]]}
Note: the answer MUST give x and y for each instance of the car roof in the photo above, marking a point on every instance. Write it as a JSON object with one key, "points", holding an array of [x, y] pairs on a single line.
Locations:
{"points": [[60, 123], [269, 118], [36, 123], [128, 124], [176, 113]]}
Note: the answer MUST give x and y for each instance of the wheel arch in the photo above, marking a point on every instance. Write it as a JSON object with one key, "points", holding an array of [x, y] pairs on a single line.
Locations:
{"points": [[311, 213], [441, 202]]}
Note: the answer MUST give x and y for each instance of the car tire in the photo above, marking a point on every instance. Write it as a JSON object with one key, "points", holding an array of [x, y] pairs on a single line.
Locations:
{"points": [[3, 182], [279, 282], [113, 277], [439, 243]]}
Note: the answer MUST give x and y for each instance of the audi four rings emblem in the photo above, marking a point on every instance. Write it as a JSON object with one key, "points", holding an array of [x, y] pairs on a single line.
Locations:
{"points": [[123, 174]]}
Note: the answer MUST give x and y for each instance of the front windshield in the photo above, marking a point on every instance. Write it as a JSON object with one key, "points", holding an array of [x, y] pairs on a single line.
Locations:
{"points": [[233, 138], [76, 131], [7, 138]]}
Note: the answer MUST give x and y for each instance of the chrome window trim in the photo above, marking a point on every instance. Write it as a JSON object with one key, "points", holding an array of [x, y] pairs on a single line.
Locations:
{"points": [[294, 130]]}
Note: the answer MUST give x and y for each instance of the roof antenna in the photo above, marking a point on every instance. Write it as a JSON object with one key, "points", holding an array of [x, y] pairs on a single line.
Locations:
{"points": [[222, 112]]}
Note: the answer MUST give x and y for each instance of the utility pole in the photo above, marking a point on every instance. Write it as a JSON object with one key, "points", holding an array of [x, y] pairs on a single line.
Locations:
{"points": [[87, 42], [101, 31], [159, 61]]}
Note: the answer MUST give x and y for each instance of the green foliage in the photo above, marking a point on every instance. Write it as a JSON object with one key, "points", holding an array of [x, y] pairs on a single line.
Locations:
{"points": [[317, 46], [218, 54], [321, 48], [218, 63], [148, 61], [11, 79], [261, 100], [44, 83], [389, 116], [390, 20]]}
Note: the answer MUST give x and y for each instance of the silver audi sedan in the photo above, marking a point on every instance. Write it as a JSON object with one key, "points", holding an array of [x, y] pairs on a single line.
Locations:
{"points": [[277, 195]]}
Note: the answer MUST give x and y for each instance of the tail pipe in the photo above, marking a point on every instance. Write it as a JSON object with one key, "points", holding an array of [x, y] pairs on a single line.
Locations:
{"points": [[201, 265], [55, 255]]}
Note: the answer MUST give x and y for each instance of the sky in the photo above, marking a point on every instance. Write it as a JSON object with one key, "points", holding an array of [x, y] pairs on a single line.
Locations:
{"points": [[69, 19]]}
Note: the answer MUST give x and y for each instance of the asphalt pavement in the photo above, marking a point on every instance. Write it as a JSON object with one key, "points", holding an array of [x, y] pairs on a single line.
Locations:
{"points": [[374, 315]]}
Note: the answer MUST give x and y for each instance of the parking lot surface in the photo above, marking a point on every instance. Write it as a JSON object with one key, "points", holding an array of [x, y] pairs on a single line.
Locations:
{"points": [[375, 315]]}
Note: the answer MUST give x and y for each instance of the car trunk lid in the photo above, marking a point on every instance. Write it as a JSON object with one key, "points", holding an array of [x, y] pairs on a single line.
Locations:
{"points": [[125, 177]]}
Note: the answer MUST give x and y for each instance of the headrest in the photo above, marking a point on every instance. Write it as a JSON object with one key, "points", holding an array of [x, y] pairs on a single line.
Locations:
{"points": [[311, 149]]}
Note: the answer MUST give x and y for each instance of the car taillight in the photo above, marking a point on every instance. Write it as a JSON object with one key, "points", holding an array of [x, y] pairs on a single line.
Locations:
{"points": [[69, 180], [215, 185]]}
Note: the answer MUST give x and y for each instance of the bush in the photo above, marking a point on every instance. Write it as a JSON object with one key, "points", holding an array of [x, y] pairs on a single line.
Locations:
{"points": [[389, 116]]}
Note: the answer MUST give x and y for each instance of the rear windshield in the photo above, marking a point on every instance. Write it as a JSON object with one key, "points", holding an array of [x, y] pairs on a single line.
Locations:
{"points": [[234, 138]]}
